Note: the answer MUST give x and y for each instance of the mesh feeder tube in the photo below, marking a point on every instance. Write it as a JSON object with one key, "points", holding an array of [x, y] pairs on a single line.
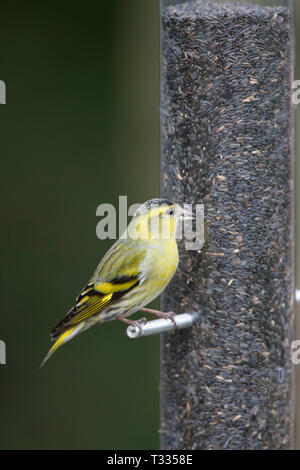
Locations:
{"points": [[227, 141]]}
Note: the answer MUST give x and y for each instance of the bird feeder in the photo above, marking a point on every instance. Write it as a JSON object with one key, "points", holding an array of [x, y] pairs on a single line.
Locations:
{"points": [[227, 142]]}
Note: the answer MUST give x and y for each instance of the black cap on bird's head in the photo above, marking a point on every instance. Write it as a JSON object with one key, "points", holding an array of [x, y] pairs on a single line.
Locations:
{"points": [[154, 204], [159, 202]]}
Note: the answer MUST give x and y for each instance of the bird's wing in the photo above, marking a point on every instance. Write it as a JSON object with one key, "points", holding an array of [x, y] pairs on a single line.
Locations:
{"points": [[117, 274]]}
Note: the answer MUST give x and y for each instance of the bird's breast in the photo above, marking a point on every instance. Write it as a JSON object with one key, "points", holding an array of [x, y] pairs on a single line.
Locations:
{"points": [[160, 263]]}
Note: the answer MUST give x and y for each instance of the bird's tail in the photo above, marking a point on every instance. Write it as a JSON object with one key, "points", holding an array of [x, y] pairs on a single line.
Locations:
{"points": [[62, 339]]}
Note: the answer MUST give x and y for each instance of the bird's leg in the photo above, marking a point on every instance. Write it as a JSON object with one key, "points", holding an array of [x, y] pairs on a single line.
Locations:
{"points": [[134, 323], [158, 313]]}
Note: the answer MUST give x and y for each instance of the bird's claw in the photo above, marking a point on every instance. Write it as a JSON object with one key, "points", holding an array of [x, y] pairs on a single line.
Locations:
{"points": [[171, 316], [138, 325], [142, 321]]}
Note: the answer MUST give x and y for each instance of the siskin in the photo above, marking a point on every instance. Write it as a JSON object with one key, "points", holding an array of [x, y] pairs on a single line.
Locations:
{"points": [[135, 270]]}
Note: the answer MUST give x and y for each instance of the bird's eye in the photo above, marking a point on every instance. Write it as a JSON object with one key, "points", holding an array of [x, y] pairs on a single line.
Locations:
{"points": [[170, 212]]}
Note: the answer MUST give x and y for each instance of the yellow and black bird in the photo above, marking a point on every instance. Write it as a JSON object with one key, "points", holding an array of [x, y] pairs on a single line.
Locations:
{"points": [[135, 270]]}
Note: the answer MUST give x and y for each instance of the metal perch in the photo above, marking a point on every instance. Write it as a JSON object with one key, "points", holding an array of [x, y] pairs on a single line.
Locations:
{"points": [[184, 320]]}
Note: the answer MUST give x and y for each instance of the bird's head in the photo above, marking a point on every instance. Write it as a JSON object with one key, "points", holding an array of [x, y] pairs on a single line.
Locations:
{"points": [[157, 219]]}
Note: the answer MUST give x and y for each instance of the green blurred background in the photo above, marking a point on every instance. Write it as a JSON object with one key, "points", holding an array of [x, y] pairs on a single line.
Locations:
{"points": [[80, 127]]}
